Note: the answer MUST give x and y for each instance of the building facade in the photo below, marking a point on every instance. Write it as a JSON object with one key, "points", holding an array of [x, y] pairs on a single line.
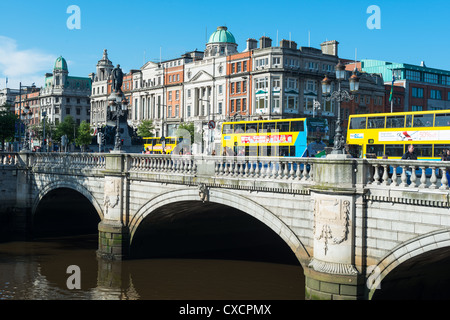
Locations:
{"points": [[424, 88], [263, 81]]}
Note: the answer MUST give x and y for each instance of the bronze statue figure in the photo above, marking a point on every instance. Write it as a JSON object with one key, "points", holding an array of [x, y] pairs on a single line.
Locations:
{"points": [[117, 79]]}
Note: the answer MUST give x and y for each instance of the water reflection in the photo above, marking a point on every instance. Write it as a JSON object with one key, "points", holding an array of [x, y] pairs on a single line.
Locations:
{"points": [[37, 270]]}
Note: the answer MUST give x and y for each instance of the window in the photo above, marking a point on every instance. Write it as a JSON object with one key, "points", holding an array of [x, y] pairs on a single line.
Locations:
{"points": [[233, 68], [395, 121], [439, 149], [423, 150], [276, 82], [297, 126], [188, 111], [276, 60], [227, 128], [394, 150], [219, 108], [311, 85], [232, 87], [170, 95], [435, 94], [219, 89], [291, 102], [269, 126], [375, 122], [417, 92], [244, 104], [292, 83], [177, 95], [430, 77], [413, 75], [238, 67], [189, 93], [244, 86], [283, 126], [239, 128], [377, 149], [423, 120], [358, 123], [67, 110], [244, 67], [416, 108], [238, 104]]}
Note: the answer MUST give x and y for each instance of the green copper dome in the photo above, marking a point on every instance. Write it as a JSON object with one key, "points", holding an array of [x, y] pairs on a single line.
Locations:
{"points": [[222, 35], [60, 64]]}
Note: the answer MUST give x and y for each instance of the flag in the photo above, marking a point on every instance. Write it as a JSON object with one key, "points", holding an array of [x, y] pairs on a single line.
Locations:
{"points": [[392, 87]]}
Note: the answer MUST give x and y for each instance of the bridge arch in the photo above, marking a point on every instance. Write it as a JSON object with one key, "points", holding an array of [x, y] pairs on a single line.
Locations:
{"points": [[407, 251], [42, 192], [227, 198]]}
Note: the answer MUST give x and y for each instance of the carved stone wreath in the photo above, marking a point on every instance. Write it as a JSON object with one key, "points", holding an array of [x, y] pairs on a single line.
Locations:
{"points": [[203, 192], [326, 232]]}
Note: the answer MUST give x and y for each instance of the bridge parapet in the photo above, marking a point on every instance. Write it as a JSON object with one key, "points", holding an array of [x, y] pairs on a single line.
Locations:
{"points": [[9, 158]]}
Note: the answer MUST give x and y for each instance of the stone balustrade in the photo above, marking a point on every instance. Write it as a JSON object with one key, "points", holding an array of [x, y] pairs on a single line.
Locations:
{"points": [[8, 159]]}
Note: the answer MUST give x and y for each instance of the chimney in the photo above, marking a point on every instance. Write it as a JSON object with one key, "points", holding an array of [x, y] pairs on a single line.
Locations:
{"points": [[265, 42], [288, 44], [330, 47], [251, 44]]}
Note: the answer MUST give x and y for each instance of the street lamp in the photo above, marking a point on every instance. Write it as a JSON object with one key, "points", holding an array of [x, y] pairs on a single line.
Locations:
{"points": [[25, 116], [339, 95], [117, 107]]}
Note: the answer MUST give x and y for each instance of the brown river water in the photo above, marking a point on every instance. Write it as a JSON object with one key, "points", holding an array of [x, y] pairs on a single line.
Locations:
{"points": [[38, 270]]}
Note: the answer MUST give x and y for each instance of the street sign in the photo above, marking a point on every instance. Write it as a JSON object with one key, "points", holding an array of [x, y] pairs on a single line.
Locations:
{"points": [[211, 124]]}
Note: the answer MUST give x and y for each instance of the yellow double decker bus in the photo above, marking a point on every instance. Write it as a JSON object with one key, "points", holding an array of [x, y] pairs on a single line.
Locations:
{"points": [[389, 134], [154, 145], [296, 137]]}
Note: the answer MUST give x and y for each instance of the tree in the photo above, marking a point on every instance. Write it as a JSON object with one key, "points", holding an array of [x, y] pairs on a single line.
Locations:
{"points": [[7, 124], [146, 129], [84, 137], [67, 127]]}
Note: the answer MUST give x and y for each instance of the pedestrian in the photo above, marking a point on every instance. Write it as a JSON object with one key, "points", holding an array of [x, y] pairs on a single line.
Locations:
{"points": [[409, 155]]}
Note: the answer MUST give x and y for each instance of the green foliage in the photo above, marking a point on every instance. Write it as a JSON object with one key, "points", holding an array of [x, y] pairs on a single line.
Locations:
{"points": [[84, 137], [7, 123], [67, 127], [146, 129]]}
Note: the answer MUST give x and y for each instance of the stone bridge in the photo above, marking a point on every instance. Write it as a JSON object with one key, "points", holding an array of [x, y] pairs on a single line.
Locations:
{"points": [[349, 222]]}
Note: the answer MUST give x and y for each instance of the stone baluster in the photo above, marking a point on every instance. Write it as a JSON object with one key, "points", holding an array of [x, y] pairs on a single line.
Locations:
{"points": [[444, 180], [291, 171], [394, 176], [298, 173], [413, 177], [423, 178], [376, 174], [257, 173], [433, 178], [305, 171], [404, 177], [385, 175]]}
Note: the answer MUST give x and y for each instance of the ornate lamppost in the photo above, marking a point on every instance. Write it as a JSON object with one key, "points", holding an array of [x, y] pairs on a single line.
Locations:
{"points": [[117, 103], [339, 95], [25, 116]]}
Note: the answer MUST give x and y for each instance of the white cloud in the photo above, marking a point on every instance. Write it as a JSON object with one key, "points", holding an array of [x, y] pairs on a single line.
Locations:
{"points": [[26, 66]]}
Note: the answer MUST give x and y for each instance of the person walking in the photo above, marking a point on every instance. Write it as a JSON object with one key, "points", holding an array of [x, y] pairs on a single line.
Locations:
{"points": [[410, 154]]}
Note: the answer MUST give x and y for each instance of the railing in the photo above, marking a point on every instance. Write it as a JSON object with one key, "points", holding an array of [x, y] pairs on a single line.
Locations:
{"points": [[296, 169], [8, 158], [409, 174], [68, 160]]}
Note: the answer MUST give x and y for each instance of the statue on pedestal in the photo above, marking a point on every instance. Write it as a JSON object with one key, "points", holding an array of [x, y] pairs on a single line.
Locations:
{"points": [[117, 79]]}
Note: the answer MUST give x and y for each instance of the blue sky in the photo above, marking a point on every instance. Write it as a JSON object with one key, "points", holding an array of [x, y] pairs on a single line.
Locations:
{"points": [[34, 33]]}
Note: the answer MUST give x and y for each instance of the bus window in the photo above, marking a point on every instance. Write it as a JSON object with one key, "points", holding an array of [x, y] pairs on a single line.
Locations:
{"points": [[252, 127], [423, 120], [292, 151], [284, 151], [227, 128], [375, 122], [269, 126], [439, 149], [239, 127], [408, 121], [297, 126], [376, 149], [394, 150], [442, 120], [358, 123], [395, 121], [423, 150], [283, 126]]}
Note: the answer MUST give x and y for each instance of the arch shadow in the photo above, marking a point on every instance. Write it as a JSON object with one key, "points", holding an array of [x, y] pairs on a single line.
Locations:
{"points": [[433, 247], [226, 198]]}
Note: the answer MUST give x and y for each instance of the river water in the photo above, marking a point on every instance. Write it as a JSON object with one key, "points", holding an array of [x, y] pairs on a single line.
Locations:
{"points": [[37, 270]]}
